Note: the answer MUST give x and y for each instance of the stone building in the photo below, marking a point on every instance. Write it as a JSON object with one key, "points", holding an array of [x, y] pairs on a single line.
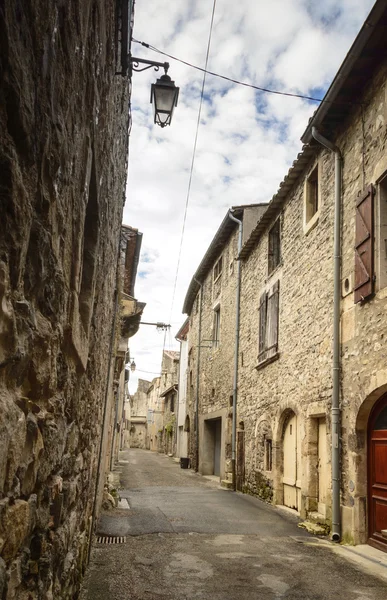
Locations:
{"points": [[161, 405], [155, 407], [129, 321], [138, 416], [210, 304], [64, 125], [294, 363], [182, 416]]}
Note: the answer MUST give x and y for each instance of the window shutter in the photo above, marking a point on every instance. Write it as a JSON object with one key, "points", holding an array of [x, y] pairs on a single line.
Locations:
{"points": [[262, 327], [364, 246], [272, 321], [275, 316]]}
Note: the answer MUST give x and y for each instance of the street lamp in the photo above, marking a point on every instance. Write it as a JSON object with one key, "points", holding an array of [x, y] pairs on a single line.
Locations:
{"points": [[133, 366], [164, 93]]}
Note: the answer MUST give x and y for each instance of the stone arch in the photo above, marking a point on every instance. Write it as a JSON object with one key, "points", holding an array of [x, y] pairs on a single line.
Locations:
{"points": [[285, 412], [357, 451]]}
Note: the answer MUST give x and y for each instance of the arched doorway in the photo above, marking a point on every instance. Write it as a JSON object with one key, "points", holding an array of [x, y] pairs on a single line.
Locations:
{"points": [[291, 462], [377, 475]]}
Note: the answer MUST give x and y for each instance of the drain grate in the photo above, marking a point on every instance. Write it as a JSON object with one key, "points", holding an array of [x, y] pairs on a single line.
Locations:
{"points": [[102, 539]]}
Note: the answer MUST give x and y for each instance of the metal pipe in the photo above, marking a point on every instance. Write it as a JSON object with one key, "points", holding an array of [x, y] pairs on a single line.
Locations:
{"points": [[336, 413], [236, 353], [198, 377]]}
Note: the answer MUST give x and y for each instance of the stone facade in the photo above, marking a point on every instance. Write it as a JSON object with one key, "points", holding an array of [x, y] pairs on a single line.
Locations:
{"points": [[155, 406], [284, 436], [161, 403], [183, 422], [138, 415], [63, 154], [211, 310]]}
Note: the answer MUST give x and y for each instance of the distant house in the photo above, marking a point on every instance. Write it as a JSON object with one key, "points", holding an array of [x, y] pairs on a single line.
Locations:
{"points": [[210, 305], [183, 418]]}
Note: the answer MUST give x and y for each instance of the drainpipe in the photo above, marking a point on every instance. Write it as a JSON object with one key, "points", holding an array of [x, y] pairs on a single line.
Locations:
{"points": [[236, 352], [198, 375], [336, 515]]}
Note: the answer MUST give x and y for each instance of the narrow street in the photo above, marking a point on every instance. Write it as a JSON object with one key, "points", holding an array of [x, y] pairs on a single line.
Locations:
{"points": [[187, 538]]}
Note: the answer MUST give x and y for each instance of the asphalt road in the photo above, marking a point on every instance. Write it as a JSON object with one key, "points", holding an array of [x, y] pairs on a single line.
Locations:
{"points": [[188, 539]]}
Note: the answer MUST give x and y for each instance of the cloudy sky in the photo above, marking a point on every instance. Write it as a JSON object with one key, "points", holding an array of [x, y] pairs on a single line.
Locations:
{"points": [[247, 140]]}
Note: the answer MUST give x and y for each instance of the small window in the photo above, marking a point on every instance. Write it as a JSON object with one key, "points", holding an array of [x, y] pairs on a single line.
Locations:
{"points": [[268, 455], [312, 203], [274, 248], [190, 379], [216, 329], [172, 402], [218, 269]]}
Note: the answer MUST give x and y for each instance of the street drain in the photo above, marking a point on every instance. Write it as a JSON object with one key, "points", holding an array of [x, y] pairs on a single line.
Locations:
{"points": [[111, 540]]}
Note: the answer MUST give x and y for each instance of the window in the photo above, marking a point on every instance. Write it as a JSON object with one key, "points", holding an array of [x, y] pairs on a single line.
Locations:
{"points": [[218, 269], [268, 325], [216, 329], [172, 402], [311, 198], [190, 379], [274, 247], [381, 235], [268, 455]]}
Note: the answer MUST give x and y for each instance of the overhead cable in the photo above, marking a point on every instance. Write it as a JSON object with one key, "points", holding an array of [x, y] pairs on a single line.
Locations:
{"points": [[193, 153], [230, 79]]}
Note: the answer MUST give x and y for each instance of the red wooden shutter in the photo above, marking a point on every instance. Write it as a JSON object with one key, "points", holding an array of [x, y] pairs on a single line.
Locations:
{"points": [[364, 246]]}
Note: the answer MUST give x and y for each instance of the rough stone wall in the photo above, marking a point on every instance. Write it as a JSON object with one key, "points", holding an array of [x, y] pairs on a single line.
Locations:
{"points": [[63, 153], [216, 362], [363, 325], [300, 379]]}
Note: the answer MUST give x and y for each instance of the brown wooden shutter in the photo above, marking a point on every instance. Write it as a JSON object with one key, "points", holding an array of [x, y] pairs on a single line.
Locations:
{"points": [[262, 326], [364, 246], [275, 309]]}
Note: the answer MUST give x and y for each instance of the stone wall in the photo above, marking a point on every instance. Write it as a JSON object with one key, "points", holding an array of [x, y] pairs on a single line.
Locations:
{"points": [[363, 325], [299, 380], [216, 360], [63, 153]]}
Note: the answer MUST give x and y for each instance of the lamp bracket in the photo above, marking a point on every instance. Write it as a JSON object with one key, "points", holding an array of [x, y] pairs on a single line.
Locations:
{"points": [[136, 62]]}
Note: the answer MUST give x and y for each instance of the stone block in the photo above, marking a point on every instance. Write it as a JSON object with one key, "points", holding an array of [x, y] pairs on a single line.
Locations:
{"points": [[14, 527]]}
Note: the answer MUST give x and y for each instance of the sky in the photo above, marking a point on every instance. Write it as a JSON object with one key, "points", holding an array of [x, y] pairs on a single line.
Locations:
{"points": [[247, 140]]}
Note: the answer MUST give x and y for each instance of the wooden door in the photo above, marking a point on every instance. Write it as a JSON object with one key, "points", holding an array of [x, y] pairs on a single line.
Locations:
{"points": [[291, 495], [322, 466], [377, 476]]}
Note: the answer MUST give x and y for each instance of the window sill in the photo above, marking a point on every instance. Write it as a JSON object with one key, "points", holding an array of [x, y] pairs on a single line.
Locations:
{"points": [[311, 224], [267, 361], [274, 271]]}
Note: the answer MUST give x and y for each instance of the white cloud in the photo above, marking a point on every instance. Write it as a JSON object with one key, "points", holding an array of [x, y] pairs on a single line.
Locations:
{"points": [[247, 140]]}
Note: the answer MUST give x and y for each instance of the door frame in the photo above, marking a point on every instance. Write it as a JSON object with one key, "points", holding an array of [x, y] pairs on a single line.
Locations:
{"points": [[376, 409]]}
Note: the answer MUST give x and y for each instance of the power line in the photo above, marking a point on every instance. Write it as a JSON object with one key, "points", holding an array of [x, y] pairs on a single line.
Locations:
{"points": [[230, 79], [193, 154]]}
